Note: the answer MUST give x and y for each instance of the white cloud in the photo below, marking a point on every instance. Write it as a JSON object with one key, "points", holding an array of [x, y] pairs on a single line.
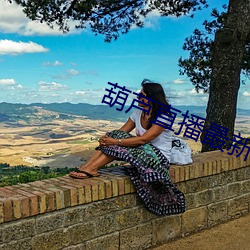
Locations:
{"points": [[91, 96], [186, 97], [151, 21], [11, 17], [194, 92], [10, 84], [178, 81], [19, 86], [55, 63], [13, 20], [7, 82], [73, 72], [154, 13], [15, 48], [180, 93], [246, 93], [80, 92], [51, 86]]}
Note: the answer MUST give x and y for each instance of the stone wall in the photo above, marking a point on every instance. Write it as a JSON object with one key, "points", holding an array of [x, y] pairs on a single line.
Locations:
{"points": [[105, 212]]}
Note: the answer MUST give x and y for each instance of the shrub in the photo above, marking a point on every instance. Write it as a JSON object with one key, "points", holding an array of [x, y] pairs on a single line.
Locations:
{"points": [[23, 174]]}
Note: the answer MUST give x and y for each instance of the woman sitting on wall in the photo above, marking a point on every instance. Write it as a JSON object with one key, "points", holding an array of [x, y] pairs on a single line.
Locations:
{"points": [[148, 153]]}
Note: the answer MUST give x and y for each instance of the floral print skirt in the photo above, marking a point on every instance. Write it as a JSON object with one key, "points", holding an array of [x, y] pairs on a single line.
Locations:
{"points": [[149, 173]]}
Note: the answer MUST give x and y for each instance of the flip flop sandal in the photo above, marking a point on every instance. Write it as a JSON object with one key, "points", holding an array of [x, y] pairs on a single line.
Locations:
{"points": [[87, 175]]}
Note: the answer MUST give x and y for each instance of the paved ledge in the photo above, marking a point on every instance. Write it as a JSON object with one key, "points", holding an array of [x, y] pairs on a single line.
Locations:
{"points": [[39, 197]]}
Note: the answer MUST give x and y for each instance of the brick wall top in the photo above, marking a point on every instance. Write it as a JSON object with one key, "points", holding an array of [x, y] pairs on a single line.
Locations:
{"points": [[25, 200]]}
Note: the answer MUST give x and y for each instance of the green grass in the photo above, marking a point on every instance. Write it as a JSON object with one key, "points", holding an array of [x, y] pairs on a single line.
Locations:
{"points": [[243, 142], [23, 174]]}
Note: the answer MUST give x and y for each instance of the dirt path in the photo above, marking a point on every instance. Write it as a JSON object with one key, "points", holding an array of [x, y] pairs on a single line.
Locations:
{"points": [[233, 235]]}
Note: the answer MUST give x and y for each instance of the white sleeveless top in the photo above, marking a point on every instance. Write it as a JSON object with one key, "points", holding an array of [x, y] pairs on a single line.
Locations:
{"points": [[163, 141]]}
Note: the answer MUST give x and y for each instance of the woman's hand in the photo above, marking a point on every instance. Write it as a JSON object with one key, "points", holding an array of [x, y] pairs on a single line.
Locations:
{"points": [[107, 141]]}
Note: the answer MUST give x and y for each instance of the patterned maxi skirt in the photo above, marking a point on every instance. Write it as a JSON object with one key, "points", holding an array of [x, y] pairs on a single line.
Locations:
{"points": [[149, 173]]}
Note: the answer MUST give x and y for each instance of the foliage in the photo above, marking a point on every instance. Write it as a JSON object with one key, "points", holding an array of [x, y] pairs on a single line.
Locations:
{"points": [[198, 66], [108, 17], [23, 174], [243, 142]]}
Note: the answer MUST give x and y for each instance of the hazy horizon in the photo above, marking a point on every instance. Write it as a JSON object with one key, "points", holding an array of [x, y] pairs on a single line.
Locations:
{"points": [[103, 104]]}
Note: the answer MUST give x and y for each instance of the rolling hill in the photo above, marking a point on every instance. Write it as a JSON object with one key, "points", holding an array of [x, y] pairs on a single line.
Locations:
{"points": [[40, 112]]}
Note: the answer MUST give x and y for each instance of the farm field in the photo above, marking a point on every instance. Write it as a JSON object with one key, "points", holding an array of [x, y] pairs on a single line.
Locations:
{"points": [[67, 143]]}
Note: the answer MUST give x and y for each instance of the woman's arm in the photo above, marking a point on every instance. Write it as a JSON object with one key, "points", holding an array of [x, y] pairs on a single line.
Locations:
{"points": [[135, 141], [128, 126]]}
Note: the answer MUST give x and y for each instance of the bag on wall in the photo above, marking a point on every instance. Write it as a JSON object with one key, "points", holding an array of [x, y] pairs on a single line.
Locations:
{"points": [[180, 152]]}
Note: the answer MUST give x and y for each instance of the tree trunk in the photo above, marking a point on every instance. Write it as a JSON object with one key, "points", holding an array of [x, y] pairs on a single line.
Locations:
{"points": [[227, 57]]}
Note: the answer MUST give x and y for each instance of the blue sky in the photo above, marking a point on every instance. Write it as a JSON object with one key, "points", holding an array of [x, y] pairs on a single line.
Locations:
{"points": [[38, 64]]}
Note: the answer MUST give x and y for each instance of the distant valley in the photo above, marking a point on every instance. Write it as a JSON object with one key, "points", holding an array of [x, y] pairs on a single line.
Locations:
{"points": [[36, 111], [65, 134]]}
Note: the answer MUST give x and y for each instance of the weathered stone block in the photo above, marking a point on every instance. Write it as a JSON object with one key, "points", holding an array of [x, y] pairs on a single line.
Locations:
{"points": [[24, 244], [217, 213], [138, 201], [105, 224], [220, 193], [53, 240], [77, 247], [245, 186], [139, 237], [190, 203], [211, 181], [247, 171], [80, 233], [74, 215], [182, 186], [107, 242], [147, 215], [99, 208], [1, 235], [131, 217], [166, 228], [203, 198], [234, 189], [240, 174], [196, 185], [49, 222], [223, 178], [194, 220], [238, 206], [18, 230]]}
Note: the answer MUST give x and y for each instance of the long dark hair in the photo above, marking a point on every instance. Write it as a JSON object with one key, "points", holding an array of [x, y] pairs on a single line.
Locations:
{"points": [[155, 92]]}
